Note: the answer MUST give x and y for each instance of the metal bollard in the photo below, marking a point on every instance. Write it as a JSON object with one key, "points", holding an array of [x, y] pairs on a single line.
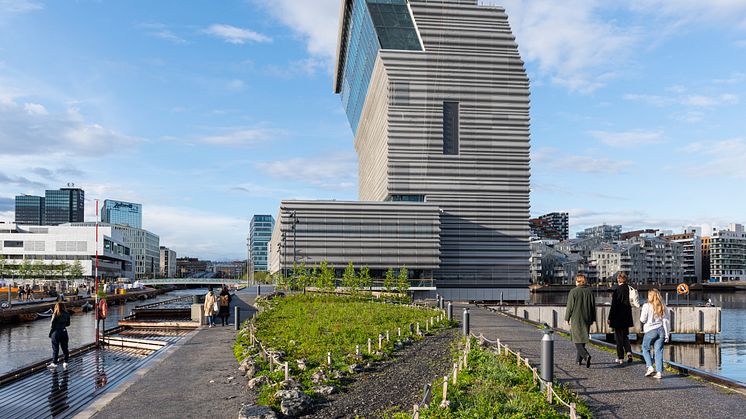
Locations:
{"points": [[465, 325], [547, 354], [236, 317], [437, 300], [195, 299], [258, 290], [450, 312]]}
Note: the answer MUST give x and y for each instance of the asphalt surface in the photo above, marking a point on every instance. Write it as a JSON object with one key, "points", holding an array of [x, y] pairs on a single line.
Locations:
{"points": [[611, 390], [193, 382]]}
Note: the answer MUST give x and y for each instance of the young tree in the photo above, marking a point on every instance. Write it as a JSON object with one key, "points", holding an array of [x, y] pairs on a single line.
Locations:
{"points": [[25, 269], [388, 283], [402, 285], [326, 276], [349, 279], [76, 270], [363, 276], [38, 269]]}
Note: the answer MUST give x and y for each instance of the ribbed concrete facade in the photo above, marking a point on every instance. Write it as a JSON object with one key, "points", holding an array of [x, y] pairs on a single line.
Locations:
{"points": [[438, 99], [379, 235]]}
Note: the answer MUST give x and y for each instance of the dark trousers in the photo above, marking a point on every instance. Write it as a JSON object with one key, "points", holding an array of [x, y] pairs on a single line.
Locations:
{"points": [[621, 337], [60, 339], [582, 352]]}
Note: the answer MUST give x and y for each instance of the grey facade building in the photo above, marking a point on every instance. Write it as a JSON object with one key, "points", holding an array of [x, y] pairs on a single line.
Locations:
{"points": [[144, 247], [66, 205], [437, 97], [29, 210], [121, 212], [555, 225], [168, 262], [260, 233], [727, 250], [604, 232]]}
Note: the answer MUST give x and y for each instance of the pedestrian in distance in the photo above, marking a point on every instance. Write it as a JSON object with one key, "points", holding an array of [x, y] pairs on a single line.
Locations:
{"points": [[21, 291], [210, 309], [58, 334], [620, 318], [657, 329], [580, 314], [225, 306]]}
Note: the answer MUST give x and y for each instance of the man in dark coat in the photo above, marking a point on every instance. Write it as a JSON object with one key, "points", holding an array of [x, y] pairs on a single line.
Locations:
{"points": [[581, 314], [620, 318]]}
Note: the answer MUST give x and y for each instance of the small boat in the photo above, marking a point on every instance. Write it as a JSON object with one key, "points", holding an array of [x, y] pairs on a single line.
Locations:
{"points": [[47, 313]]}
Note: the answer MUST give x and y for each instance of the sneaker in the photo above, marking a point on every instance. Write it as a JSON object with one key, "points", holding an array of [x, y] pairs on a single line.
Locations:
{"points": [[64, 365], [629, 358], [650, 372], [52, 365], [658, 375], [619, 361]]}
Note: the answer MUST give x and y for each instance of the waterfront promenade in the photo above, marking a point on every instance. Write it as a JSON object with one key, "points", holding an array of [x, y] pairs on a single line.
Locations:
{"points": [[610, 390], [193, 381]]}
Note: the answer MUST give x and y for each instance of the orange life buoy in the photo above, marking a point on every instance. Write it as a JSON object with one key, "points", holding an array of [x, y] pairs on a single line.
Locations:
{"points": [[682, 289], [102, 309]]}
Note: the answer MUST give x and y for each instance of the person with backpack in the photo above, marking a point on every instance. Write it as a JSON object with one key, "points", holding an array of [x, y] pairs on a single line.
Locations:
{"points": [[58, 334], [225, 305], [580, 313], [620, 316], [657, 329]]}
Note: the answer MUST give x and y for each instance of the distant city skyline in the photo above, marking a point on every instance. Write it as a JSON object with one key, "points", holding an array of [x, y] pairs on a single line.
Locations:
{"points": [[209, 113]]}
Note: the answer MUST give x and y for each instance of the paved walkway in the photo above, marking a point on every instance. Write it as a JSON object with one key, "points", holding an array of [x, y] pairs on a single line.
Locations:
{"points": [[610, 390], [192, 382]]}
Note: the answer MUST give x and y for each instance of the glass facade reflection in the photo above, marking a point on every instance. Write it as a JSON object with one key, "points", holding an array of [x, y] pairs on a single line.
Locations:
{"points": [[260, 233], [372, 25], [123, 213], [66, 205], [29, 210]]}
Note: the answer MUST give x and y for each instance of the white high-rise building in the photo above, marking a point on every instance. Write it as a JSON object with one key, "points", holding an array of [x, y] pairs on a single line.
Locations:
{"points": [[728, 254]]}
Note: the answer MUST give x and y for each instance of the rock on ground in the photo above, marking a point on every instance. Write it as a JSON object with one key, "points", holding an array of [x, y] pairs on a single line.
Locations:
{"points": [[257, 412], [394, 384]]}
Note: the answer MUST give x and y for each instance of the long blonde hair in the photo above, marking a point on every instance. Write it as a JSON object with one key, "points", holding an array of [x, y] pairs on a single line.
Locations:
{"points": [[654, 299], [59, 307]]}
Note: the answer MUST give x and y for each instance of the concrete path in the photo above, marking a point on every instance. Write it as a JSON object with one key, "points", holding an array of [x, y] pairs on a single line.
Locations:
{"points": [[610, 390], [192, 382]]}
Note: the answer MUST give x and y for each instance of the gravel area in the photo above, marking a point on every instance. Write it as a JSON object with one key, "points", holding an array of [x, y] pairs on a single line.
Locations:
{"points": [[392, 385]]}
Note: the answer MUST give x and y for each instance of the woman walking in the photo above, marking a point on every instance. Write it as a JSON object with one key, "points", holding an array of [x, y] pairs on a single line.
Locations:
{"points": [[656, 326], [210, 302], [58, 334], [225, 305], [580, 314], [620, 318]]}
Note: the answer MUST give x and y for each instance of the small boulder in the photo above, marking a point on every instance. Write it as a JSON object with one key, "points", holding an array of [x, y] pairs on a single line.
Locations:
{"points": [[302, 364], [319, 377], [336, 374], [290, 384], [258, 382], [251, 372], [355, 368], [294, 402], [324, 390], [257, 412]]}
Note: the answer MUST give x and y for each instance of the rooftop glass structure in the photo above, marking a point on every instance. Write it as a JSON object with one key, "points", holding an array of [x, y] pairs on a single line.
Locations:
{"points": [[122, 213]]}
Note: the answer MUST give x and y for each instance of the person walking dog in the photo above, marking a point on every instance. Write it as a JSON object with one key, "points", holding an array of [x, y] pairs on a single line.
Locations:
{"points": [[620, 318], [580, 314], [657, 329], [58, 334]]}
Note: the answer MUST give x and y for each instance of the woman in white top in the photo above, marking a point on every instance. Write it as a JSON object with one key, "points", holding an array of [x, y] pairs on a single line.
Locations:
{"points": [[655, 324]]}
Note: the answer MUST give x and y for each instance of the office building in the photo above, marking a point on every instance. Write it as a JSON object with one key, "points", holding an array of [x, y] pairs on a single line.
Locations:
{"points": [[123, 213], [691, 255], [727, 250], [260, 233], [188, 267], [168, 262], [144, 245], [603, 232], [232, 269], [29, 210], [66, 205], [555, 225], [437, 98], [68, 244]]}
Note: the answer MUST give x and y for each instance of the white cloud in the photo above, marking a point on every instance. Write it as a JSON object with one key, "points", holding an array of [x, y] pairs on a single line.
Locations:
{"points": [[628, 138], [721, 158], [236, 35], [8, 7], [315, 21], [554, 159], [687, 11], [30, 129], [335, 171], [197, 233], [242, 137], [694, 100], [159, 30], [629, 219]]}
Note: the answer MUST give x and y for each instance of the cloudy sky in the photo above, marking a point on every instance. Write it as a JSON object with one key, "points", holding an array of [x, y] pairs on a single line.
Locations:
{"points": [[209, 112]]}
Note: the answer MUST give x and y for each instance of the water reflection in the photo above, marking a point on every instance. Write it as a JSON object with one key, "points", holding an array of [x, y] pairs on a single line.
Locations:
{"points": [[724, 357], [28, 343], [58, 394]]}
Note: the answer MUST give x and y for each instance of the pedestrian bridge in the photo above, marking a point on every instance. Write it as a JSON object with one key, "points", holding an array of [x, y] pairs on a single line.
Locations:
{"points": [[193, 281]]}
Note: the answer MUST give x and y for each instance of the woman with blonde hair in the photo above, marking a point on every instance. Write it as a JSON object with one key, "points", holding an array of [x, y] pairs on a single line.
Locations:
{"points": [[58, 334], [656, 326]]}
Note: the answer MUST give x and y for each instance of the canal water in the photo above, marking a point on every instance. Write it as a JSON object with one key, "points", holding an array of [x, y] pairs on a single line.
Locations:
{"points": [[27, 343], [726, 357]]}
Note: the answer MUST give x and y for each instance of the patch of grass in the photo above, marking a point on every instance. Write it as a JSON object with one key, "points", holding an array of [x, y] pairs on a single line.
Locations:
{"points": [[493, 386]]}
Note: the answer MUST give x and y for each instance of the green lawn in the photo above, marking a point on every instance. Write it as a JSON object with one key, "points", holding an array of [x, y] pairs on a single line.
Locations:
{"points": [[493, 386]]}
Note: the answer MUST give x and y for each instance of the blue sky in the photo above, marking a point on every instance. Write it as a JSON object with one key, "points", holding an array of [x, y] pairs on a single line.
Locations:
{"points": [[208, 112]]}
